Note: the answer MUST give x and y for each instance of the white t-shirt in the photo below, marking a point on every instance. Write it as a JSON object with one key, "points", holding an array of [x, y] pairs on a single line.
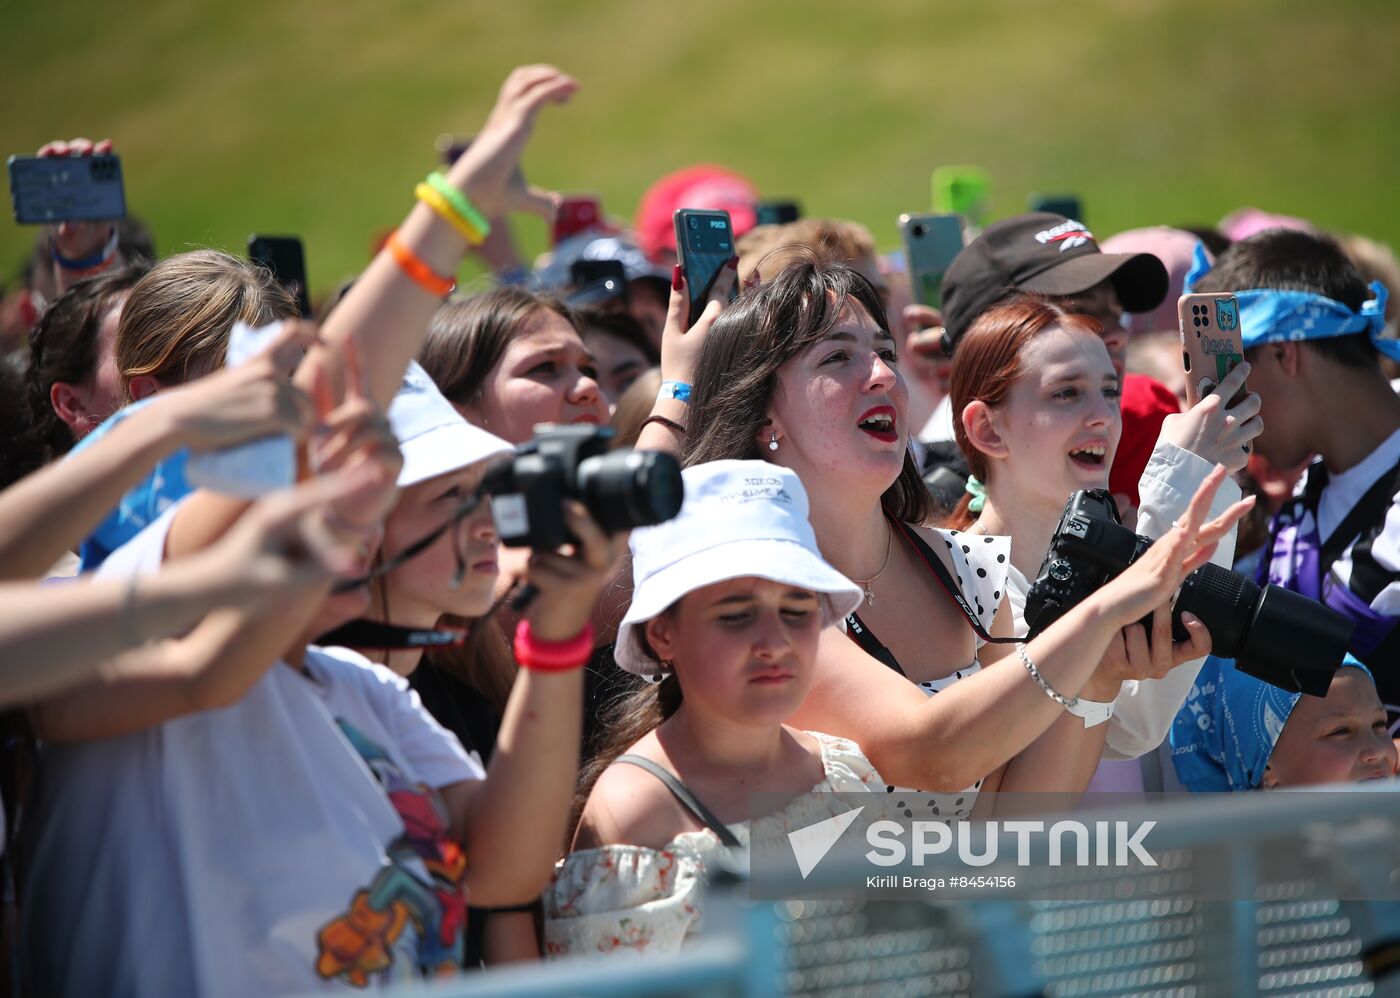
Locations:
{"points": [[248, 850]]}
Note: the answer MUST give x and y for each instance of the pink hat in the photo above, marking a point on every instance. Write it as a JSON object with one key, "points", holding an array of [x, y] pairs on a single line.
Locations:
{"points": [[702, 186], [1245, 222], [1175, 249]]}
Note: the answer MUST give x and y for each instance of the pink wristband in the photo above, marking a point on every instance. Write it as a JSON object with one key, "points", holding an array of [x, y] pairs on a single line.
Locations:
{"points": [[552, 656]]}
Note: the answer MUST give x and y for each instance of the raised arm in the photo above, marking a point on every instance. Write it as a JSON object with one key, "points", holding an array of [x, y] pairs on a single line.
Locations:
{"points": [[52, 510], [521, 809], [231, 649], [387, 310], [949, 741], [384, 317]]}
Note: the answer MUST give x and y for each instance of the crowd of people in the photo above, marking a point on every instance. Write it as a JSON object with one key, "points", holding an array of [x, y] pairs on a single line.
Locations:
{"points": [[284, 713]]}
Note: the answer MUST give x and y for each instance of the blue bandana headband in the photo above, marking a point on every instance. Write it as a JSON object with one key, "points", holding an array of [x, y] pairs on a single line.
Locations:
{"points": [[1270, 316]]}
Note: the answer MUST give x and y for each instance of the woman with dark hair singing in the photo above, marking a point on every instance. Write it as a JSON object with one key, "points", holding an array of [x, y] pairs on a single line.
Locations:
{"points": [[802, 371]]}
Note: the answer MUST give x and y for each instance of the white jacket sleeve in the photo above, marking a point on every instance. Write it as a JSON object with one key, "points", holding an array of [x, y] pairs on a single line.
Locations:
{"points": [[1143, 712]]}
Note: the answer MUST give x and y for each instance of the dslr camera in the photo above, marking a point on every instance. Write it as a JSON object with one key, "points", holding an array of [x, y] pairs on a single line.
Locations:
{"points": [[1273, 634], [621, 489]]}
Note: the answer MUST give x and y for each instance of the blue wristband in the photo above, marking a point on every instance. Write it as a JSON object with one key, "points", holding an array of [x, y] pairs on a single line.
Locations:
{"points": [[108, 251], [677, 390]]}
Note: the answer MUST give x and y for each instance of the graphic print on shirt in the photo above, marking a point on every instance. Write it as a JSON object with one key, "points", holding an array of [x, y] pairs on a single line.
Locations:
{"points": [[361, 944]]}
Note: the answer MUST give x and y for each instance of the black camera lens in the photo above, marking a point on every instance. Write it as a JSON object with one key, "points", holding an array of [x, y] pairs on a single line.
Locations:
{"points": [[694, 222], [1281, 637], [627, 489]]}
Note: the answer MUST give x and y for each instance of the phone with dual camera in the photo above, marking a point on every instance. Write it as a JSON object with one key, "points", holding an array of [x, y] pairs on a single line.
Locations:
{"points": [[704, 244], [930, 244]]}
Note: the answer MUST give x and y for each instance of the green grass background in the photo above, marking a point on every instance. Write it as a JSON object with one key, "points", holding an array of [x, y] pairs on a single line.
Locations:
{"points": [[316, 117]]}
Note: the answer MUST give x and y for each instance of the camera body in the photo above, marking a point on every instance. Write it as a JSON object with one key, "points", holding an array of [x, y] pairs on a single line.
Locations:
{"points": [[620, 489], [1273, 634], [1090, 546]]}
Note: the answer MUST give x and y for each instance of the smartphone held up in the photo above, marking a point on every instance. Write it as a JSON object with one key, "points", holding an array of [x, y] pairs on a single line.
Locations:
{"points": [[47, 190], [704, 244]]}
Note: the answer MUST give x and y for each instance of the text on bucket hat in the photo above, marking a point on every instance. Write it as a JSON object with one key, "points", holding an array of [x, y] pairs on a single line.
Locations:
{"points": [[739, 519], [432, 435], [1047, 254]]}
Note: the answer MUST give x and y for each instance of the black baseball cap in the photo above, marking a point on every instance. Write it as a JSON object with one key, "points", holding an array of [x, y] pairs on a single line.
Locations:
{"points": [[1047, 254]]}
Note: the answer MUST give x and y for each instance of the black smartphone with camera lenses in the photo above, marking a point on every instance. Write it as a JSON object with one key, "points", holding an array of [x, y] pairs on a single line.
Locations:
{"points": [[704, 244], [930, 244], [283, 256]]}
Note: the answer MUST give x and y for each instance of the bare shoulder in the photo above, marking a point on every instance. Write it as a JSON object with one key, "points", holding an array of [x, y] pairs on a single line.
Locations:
{"points": [[630, 806]]}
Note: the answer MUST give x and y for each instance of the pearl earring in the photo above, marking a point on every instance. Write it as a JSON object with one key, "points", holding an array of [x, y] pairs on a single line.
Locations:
{"points": [[772, 439]]}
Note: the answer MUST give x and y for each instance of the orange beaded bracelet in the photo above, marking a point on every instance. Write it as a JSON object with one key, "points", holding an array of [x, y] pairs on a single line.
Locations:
{"points": [[418, 271]]}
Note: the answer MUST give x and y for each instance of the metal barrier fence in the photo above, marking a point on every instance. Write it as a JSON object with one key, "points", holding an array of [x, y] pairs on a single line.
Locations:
{"points": [[1290, 860]]}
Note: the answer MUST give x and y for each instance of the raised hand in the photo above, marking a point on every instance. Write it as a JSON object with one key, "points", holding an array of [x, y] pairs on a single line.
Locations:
{"points": [[254, 399], [487, 171], [1152, 580], [78, 240], [569, 583], [680, 341], [1211, 430]]}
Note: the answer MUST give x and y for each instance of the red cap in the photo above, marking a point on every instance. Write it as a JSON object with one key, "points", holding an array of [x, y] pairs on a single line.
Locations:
{"points": [[703, 186], [1145, 404]]}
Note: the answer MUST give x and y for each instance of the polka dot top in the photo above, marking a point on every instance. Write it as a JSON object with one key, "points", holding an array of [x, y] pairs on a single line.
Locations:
{"points": [[980, 564]]}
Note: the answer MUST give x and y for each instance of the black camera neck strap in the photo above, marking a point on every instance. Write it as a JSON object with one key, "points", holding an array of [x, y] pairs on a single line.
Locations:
{"points": [[371, 634], [872, 645]]}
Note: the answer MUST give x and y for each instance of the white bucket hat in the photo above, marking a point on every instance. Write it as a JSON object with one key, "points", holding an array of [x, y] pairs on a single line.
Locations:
{"points": [[432, 435], [739, 519]]}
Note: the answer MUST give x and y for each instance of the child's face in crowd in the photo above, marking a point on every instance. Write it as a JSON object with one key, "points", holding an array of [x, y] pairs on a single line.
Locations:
{"points": [[420, 590], [742, 649], [618, 363], [1339, 738], [841, 406], [545, 375], [1060, 423]]}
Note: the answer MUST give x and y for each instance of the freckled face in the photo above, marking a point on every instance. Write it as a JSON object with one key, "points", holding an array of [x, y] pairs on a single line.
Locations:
{"points": [[841, 406]]}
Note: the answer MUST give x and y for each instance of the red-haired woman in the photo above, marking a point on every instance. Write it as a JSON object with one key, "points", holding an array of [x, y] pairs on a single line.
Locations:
{"points": [[1036, 403]]}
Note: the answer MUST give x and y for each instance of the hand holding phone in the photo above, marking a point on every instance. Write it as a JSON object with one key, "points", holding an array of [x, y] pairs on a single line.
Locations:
{"points": [[930, 244], [50, 189], [704, 244], [1212, 351]]}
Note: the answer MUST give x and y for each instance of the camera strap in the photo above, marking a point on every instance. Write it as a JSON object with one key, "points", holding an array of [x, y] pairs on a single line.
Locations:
{"points": [[390, 637], [946, 580]]}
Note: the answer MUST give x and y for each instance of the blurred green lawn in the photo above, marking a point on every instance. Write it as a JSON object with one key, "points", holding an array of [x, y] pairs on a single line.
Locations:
{"points": [[316, 117]]}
